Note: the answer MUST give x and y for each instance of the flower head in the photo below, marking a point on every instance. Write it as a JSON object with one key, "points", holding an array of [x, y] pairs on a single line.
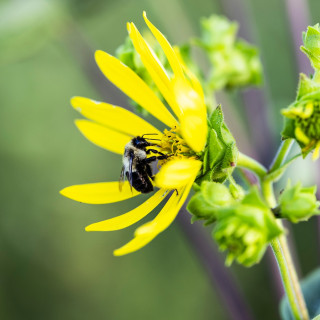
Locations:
{"points": [[112, 127], [302, 118]]}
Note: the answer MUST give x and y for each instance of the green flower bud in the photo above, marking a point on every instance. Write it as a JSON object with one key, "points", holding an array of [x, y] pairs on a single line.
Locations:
{"points": [[302, 118], [245, 228], [311, 41], [217, 33], [236, 67], [297, 203], [234, 62], [221, 154], [210, 197]]}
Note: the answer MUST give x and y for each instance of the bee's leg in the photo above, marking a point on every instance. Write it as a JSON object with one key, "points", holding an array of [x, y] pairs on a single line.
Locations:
{"points": [[150, 159], [154, 158], [176, 190], [149, 172], [155, 151]]}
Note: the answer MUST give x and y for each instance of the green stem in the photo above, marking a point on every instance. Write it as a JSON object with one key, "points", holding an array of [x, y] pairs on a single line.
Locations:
{"points": [[267, 190], [286, 266], [252, 165], [281, 154], [289, 278]]}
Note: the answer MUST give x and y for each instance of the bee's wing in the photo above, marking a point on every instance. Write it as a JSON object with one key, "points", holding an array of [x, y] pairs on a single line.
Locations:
{"points": [[130, 170], [121, 179]]}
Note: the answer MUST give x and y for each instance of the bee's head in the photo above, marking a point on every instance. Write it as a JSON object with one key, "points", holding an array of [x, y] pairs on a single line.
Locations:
{"points": [[140, 142]]}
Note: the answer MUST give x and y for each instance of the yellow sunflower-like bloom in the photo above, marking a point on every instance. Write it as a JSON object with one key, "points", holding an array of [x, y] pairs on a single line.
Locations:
{"points": [[112, 127]]}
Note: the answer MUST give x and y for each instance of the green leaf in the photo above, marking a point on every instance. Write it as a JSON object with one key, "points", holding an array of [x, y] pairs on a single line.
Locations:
{"points": [[306, 86], [311, 40]]}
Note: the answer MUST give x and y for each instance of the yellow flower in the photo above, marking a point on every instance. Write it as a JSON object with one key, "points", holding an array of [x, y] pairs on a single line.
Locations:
{"points": [[112, 127]]}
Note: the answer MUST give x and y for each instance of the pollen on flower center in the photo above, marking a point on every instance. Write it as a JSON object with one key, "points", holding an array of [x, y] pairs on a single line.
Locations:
{"points": [[174, 146]]}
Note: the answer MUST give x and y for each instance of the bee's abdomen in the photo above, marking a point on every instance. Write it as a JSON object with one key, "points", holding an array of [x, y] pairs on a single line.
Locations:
{"points": [[141, 182]]}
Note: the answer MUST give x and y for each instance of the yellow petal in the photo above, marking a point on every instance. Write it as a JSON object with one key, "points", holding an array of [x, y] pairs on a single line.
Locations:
{"points": [[307, 111], [99, 193], [193, 120], [166, 47], [316, 151], [301, 136], [194, 80], [141, 240], [131, 217], [154, 67], [150, 230], [133, 86], [177, 173], [134, 245], [103, 137], [112, 116], [163, 220], [194, 130]]}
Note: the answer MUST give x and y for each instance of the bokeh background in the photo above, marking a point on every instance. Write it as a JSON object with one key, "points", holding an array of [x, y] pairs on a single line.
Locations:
{"points": [[50, 268]]}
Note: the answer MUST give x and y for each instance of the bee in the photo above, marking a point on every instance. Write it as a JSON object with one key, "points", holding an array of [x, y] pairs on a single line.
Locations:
{"points": [[136, 166]]}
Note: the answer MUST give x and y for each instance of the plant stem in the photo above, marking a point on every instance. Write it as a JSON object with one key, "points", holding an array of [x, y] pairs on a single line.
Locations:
{"points": [[287, 270], [289, 278], [252, 165], [281, 154]]}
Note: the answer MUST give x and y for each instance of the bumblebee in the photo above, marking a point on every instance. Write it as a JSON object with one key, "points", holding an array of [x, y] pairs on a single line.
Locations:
{"points": [[136, 166]]}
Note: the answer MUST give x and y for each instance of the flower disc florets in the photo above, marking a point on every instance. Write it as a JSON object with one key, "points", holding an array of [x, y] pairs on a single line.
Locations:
{"points": [[309, 120], [303, 124], [174, 146]]}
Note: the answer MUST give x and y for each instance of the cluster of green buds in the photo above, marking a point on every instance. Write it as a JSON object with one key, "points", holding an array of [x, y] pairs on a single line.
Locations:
{"points": [[243, 227], [297, 203], [235, 63], [302, 117]]}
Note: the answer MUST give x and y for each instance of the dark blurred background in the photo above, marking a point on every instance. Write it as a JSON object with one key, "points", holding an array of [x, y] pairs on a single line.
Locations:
{"points": [[50, 268]]}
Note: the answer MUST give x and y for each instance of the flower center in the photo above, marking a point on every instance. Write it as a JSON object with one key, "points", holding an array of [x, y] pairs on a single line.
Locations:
{"points": [[311, 125], [173, 146]]}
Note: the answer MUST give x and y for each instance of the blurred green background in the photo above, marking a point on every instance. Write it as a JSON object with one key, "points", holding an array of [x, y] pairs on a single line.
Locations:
{"points": [[50, 268]]}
